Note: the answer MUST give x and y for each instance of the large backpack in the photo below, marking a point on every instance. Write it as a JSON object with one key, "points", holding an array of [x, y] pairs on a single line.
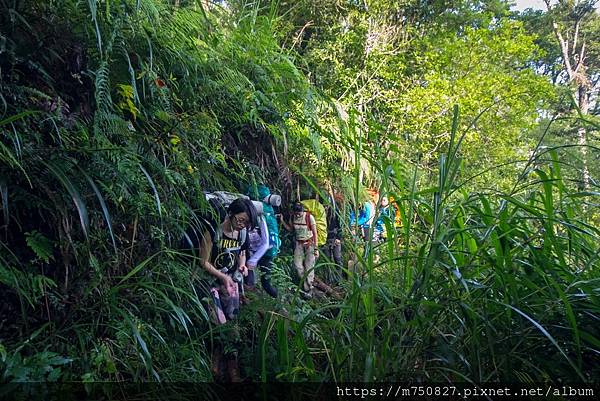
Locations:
{"points": [[212, 217], [318, 211], [273, 227], [261, 192]]}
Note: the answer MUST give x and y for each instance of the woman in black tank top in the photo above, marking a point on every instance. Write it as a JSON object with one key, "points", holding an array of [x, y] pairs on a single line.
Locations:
{"points": [[223, 255]]}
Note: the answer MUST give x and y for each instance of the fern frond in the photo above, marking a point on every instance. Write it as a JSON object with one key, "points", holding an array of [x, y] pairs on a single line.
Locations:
{"points": [[40, 245], [103, 97]]}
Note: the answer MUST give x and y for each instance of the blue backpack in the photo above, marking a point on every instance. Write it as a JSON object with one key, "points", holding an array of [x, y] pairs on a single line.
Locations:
{"points": [[261, 193], [272, 225]]}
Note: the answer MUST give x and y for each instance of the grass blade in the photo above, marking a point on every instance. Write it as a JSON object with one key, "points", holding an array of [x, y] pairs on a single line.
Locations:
{"points": [[549, 337]]}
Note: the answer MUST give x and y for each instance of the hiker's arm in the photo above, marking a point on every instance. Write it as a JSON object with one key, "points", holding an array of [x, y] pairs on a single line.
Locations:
{"points": [[242, 262], [205, 250], [285, 224], [338, 235]]}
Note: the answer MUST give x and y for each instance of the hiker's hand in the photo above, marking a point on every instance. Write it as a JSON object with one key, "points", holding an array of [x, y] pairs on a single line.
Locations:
{"points": [[244, 270], [316, 253], [337, 241], [229, 285]]}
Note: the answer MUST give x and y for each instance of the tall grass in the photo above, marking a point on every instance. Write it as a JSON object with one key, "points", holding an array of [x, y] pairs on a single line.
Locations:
{"points": [[471, 287]]}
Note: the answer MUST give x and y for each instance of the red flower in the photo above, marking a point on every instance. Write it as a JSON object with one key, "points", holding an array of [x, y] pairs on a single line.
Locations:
{"points": [[160, 83]]}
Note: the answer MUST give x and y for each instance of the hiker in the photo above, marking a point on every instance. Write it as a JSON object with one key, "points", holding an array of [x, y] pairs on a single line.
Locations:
{"points": [[223, 255], [366, 215], [360, 228], [386, 212], [265, 263], [333, 247], [305, 250], [316, 209], [258, 244]]}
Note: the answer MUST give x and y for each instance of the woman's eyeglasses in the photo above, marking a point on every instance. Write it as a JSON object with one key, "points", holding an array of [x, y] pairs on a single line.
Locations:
{"points": [[240, 221]]}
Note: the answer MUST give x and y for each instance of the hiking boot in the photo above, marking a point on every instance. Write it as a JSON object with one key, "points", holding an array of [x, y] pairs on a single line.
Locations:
{"points": [[233, 370], [266, 285], [250, 279]]}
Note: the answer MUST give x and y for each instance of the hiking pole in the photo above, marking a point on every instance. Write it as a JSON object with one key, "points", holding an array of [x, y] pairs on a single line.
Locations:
{"points": [[238, 278]]}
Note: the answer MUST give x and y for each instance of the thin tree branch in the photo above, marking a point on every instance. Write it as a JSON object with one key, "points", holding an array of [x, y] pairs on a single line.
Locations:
{"points": [[581, 58], [575, 37]]}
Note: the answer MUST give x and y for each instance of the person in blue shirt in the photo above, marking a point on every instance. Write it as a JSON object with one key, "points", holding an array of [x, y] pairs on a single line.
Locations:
{"points": [[366, 215], [386, 212]]}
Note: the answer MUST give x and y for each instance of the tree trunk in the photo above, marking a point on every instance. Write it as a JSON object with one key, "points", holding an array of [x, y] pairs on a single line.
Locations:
{"points": [[584, 104], [574, 65]]}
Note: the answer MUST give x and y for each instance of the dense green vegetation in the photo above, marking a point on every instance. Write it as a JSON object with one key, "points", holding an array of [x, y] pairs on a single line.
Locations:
{"points": [[116, 115]]}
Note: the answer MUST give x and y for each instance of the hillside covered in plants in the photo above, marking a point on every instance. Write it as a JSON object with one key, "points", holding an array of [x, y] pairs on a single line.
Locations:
{"points": [[478, 122]]}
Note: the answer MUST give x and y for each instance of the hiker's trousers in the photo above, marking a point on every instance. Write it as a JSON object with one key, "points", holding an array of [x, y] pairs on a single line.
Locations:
{"points": [[333, 251], [304, 262]]}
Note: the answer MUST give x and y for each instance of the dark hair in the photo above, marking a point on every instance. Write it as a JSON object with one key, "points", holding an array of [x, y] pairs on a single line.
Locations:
{"points": [[298, 207], [241, 205]]}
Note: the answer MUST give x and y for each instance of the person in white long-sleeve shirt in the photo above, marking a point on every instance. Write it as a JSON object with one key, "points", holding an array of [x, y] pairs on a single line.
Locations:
{"points": [[258, 245]]}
